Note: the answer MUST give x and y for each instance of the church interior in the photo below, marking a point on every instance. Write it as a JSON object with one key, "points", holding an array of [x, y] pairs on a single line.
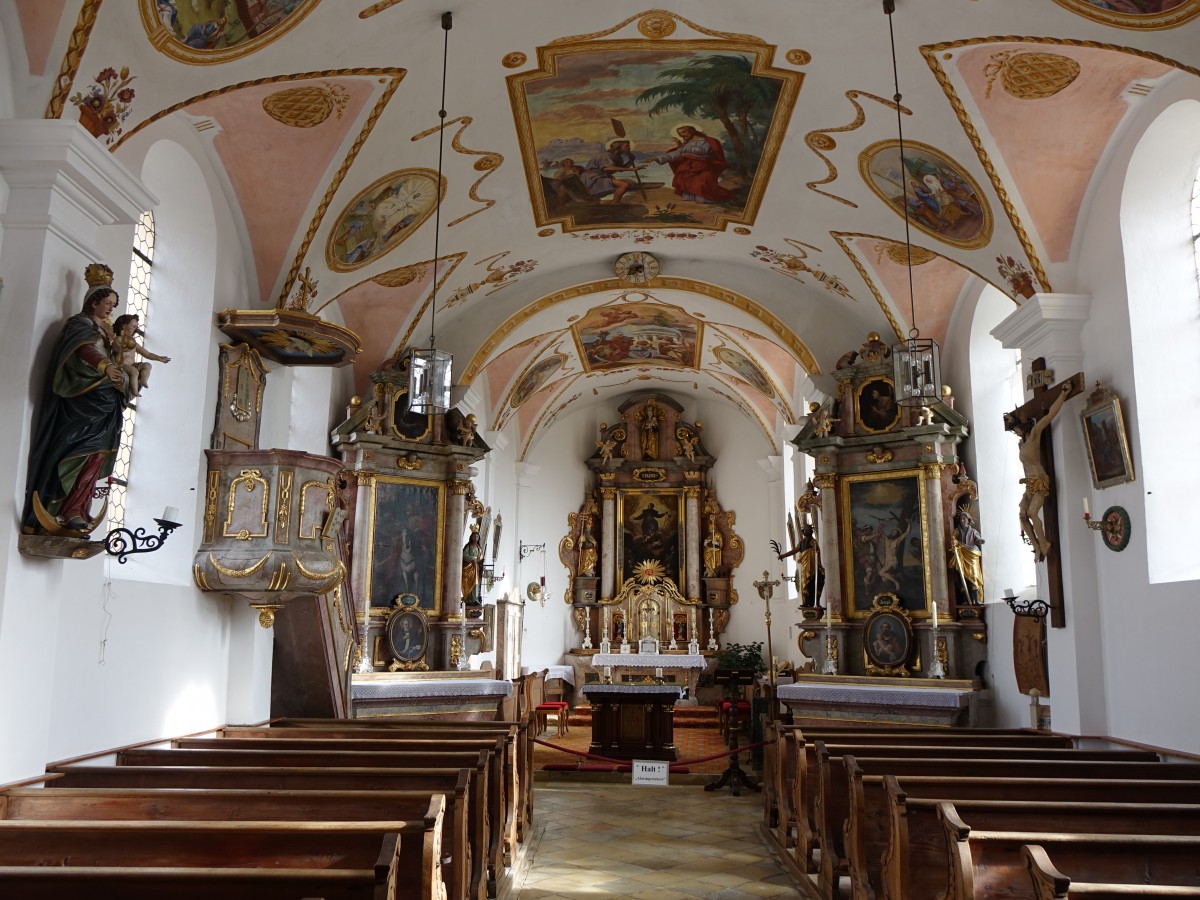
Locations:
{"points": [[486, 355]]}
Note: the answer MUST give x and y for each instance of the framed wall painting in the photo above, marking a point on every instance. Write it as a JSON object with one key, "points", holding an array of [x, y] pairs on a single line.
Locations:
{"points": [[408, 637], [651, 523], [888, 639], [406, 544], [875, 407], [1104, 435], [885, 522]]}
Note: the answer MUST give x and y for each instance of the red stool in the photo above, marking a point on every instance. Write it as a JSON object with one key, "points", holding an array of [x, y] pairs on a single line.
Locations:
{"points": [[556, 708]]}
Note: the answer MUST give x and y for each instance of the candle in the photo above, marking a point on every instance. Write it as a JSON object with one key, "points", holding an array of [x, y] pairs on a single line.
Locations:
{"points": [[658, 673], [935, 614], [608, 671], [1087, 513], [170, 514], [828, 616], [1009, 595]]}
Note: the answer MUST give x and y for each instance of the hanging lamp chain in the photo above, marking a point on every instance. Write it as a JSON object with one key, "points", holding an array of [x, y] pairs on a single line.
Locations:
{"points": [[447, 24], [889, 7]]}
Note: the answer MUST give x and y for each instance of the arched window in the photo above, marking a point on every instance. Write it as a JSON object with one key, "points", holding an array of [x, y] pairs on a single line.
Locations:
{"points": [[1196, 222], [137, 302]]}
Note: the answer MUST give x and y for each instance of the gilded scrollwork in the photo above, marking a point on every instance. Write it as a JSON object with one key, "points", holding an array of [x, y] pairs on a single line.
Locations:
{"points": [[251, 480]]}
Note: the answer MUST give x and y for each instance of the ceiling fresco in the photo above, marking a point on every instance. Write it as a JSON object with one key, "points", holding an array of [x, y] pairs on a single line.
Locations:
{"points": [[752, 149]]}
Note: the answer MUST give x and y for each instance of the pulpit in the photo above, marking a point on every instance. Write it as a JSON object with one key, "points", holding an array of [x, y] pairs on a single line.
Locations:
{"points": [[634, 721]]}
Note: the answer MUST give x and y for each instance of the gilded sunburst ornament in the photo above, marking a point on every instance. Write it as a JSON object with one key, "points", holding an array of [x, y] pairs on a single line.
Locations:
{"points": [[648, 571]]}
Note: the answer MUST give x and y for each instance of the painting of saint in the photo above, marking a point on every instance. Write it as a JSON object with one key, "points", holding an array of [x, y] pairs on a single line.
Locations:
{"points": [[942, 199], [650, 525], [651, 134], [406, 631], [535, 379], [885, 549], [610, 337], [877, 407], [214, 30], [381, 217], [1135, 13], [747, 370], [406, 549]]}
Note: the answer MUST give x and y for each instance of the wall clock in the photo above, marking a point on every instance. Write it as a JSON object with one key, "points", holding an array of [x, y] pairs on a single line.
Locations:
{"points": [[636, 267]]}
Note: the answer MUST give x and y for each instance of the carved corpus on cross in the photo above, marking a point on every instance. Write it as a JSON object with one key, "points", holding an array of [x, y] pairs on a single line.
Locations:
{"points": [[1031, 423]]}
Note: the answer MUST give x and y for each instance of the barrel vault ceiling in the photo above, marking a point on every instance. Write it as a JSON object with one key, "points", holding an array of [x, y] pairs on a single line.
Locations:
{"points": [[320, 118]]}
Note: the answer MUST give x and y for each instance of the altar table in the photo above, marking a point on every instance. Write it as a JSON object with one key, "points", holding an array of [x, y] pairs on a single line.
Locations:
{"points": [[400, 694], [633, 721], [884, 700]]}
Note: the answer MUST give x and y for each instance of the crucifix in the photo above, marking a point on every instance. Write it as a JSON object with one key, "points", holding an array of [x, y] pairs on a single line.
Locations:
{"points": [[1030, 422]]}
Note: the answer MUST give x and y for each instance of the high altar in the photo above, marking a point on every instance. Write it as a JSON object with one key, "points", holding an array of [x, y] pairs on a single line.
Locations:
{"points": [[651, 549]]}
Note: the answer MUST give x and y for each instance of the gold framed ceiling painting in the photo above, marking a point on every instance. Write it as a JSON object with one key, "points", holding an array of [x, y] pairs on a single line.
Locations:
{"points": [[1135, 14], [943, 200], [638, 334], [382, 216], [201, 32], [645, 134]]}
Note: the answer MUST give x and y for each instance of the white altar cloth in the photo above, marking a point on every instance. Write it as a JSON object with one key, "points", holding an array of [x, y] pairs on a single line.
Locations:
{"points": [[650, 660], [634, 689], [566, 673], [942, 698], [459, 687]]}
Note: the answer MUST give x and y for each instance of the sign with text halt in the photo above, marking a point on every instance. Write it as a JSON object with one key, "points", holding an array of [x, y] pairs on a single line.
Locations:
{"points": [[650, 771]]}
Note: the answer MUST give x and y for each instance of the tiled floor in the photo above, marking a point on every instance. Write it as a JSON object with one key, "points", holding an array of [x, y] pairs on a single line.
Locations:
{"points": [[673, 843]]}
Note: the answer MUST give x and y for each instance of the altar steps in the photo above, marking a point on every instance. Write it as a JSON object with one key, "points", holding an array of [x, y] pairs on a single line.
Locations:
{"points": [[685, 717]]}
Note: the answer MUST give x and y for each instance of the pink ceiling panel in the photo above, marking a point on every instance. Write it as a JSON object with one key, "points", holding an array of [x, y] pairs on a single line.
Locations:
{"points": [[39, 22], [377, 314], [936, 286]]}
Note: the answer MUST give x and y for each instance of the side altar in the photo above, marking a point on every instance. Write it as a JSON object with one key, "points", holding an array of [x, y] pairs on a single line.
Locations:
{"points": [[889, 562]]}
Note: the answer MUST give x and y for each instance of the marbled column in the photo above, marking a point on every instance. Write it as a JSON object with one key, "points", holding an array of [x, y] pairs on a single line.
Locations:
{"points": [[692, 511], [452, 540], [608, 542], [831, 553]]}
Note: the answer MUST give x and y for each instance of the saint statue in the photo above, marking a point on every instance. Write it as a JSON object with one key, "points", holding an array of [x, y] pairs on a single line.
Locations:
{"points": [[648, 418], [79, 426], [587, 548], [472, 562], [712, 549], [967, 559]]}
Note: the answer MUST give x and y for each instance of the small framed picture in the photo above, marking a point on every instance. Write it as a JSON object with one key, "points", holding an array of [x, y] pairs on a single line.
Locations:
{"points": [[1104, 435], [408, 637], [888, 638]]}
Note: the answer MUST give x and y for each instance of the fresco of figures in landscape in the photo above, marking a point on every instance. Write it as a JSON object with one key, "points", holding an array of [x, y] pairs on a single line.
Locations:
{"points": [[194, 28], [650, 136], [610, 337], [381, 217], [943, 200], [1135, 13], [746, 369]]}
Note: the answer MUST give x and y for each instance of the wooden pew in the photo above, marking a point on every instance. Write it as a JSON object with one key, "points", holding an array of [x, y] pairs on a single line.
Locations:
{"points": [[373, 849], [515, 779], [920, 867], [502, 774], [1050, 884], [986, 863], [467, 869], [878, 830], [424, 856], [818, 781], [487, 763], [785, 773]]}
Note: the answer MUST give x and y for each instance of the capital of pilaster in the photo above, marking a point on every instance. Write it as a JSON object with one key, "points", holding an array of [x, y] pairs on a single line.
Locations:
{"points": [[1048, 325], [527, 473]]}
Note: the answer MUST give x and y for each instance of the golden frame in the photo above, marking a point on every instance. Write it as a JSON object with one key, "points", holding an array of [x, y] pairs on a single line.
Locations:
{"points": [[868, 156], [166, 43], [764, 56], [896, 493], [1105, 438], [889, 646], [433, 604], [1184, 12], [408, 653], [859, 421], [252, 478]]}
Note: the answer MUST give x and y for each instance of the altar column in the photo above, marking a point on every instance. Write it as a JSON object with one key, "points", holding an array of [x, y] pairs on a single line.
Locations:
{"points": [[827, 543], [456, 510], [608, 543], [694, 590]]}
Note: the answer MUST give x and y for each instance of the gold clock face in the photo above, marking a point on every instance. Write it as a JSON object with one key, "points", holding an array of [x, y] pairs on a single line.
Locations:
{"points": [[636, 267]]}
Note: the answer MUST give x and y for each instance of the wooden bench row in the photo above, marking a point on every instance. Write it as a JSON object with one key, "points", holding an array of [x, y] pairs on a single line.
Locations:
{"points": [[316, 808], [898, 814]]}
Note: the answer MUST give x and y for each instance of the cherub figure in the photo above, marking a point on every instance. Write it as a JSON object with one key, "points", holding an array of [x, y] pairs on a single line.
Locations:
{"points": [[822, 419], [466, 429], [125, 350]]}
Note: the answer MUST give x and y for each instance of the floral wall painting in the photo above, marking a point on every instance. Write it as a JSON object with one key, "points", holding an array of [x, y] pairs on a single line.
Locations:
{"points": [[637, 334], [381, 217], [105, 103], [1135, 14], [535, 378], [213, 31], [943, 200], [641, 134], [746, 369]]}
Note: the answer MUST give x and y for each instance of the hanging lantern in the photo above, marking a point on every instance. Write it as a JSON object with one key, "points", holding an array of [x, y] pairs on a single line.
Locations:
{"points": [[917, 370], [429, 378]]}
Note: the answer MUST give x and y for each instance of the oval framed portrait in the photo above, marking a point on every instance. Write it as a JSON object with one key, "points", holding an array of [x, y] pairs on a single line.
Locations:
{"points": [[408, 635], [1135, 14], [887, 642], [203, 32]]}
